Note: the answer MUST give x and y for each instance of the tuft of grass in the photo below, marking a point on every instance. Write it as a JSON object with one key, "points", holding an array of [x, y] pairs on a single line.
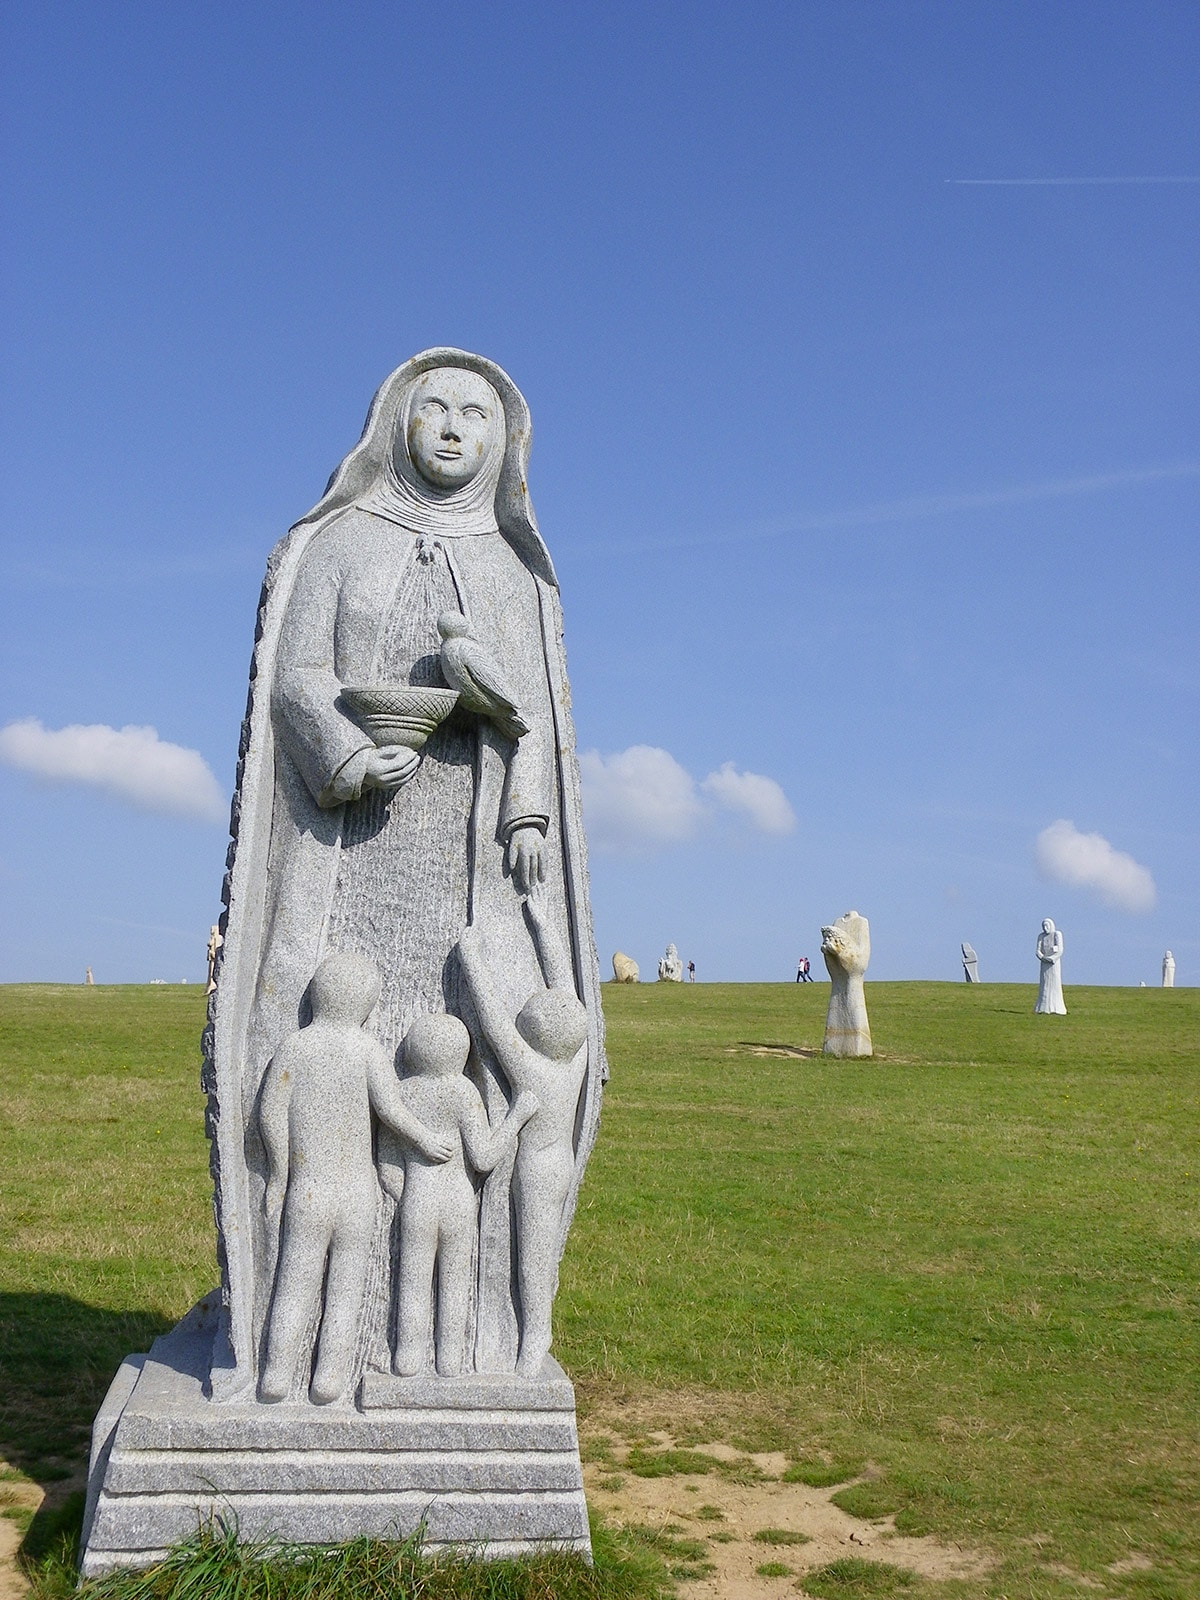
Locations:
{"points": [[684, 1559], [871, 1501], [780, 1536], [853, 1577], [708, 1513], [773, 1569], [215, 1566], [818, 1474], [667, 1463]]}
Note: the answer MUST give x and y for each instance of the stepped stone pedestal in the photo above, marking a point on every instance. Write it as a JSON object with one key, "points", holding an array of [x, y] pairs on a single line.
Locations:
{"points": [[485, 1462]]}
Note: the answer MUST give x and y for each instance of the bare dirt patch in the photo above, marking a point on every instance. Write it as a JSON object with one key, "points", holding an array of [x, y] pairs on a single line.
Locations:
{"points": [[19, 1499], [744, 1513]]}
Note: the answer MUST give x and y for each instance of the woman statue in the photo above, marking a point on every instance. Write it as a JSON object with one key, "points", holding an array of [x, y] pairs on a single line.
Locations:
{"points": [[1168, 971], [1049, 951], [421, 566]]}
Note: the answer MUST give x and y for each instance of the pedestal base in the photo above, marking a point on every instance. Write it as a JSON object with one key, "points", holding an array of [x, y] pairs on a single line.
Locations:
{"points": [[487, 1462]]}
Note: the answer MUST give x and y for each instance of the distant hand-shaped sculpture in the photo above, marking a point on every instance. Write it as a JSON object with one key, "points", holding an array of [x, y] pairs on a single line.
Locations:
{"points": [[320, 1089], [542, 1051], [846, 946], [1050, 1000], [438, 1203]]}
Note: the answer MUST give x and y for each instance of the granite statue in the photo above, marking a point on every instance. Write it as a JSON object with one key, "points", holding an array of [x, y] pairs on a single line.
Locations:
{"points": [[1050, 1000], [406, 1009], [625, 969], [970, 963], [670, 967], [215, 942], [846, 947], [1168, 971]]}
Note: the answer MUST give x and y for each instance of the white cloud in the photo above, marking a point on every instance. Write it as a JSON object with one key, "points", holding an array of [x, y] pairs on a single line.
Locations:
{"points": [[761, 799], [1088, 861], [641, 798], [131, 763], [637, 798]]}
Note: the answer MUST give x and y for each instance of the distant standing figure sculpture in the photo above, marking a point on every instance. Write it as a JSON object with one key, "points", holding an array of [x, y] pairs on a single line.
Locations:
{"points": [[1168, 971], [970, 964], [1050, 1000], [215, 942]]}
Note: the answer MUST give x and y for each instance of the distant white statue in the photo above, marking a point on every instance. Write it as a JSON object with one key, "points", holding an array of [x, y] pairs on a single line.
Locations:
{"points": [[970, 963], [846, 946], [1168, 971], [88, 979], [1050, 1000], [670, 967], [215, 942]]}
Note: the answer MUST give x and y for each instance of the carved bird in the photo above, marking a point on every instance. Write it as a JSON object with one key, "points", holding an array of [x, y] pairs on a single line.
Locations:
{"points": [[470, 669]]}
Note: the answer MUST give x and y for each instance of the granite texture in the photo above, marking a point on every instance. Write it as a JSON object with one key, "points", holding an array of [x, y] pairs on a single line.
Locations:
{"points": [[488, 1461], [404, 1055], [846, 947]]}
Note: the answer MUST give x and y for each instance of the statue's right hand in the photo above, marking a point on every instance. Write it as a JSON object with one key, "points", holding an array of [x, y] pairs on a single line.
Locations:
{"points": [[434, 1149], [390, 767]]}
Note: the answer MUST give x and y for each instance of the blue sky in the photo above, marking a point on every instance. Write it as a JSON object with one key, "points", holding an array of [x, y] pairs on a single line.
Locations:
{"points": [[878, 485]]}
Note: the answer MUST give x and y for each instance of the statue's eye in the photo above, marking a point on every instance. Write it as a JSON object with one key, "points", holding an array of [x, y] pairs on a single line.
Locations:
{"points": [[475, 411], [435, 406]]}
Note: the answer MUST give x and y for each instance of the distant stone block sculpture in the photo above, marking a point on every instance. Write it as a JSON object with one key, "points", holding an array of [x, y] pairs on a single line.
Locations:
{"points": [[970, 964], [846, 947], [1168, 971], [1050, 1000], [404, 1057], [625, 969], [670, 967]]}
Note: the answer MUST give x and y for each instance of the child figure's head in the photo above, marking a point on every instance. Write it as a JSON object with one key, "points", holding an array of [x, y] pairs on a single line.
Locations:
{"points": [[437, 1046], [554, 1023], [344, 989]]}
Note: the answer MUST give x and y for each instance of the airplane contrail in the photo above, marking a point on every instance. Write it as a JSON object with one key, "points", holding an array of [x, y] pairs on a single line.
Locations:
{"points": [[1062, 182]]}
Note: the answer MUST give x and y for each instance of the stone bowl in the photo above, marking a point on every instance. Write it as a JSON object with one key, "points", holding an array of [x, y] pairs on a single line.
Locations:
{"points": [[399, 713]]}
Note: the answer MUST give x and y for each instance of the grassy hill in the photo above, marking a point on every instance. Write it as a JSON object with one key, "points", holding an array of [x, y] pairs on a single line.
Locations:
{"points": [[971, 1262]]}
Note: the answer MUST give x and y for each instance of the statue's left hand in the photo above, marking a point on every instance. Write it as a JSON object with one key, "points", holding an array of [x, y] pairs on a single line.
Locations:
{"points": [[526, 848]]}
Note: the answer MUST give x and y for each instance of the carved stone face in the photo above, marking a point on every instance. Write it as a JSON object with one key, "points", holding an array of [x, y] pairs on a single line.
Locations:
{"points": [[453, 418]]}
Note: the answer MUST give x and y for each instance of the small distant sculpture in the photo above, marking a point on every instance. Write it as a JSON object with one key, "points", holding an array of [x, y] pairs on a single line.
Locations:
{"points": [[215, 942], [670, 967], [88, 979], [1168, 981], [846, 946], [314, 1115], [1050, 1000], [804, 971], [970, 964], [625, 969]]}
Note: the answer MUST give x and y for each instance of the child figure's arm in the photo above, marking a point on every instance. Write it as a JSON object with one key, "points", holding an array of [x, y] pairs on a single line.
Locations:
{"points": [[484, 1144], [387, 1102], [556, 963], [274, 1100], [517, 1059]]}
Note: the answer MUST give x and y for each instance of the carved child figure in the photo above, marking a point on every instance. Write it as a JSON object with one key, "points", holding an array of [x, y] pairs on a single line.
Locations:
{"points": [[314, 1111], [438, 1207], [545, 1051]]}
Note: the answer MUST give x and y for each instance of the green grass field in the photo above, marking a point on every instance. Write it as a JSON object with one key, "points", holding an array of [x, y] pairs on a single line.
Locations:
{"points": [[971, 1262]]}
